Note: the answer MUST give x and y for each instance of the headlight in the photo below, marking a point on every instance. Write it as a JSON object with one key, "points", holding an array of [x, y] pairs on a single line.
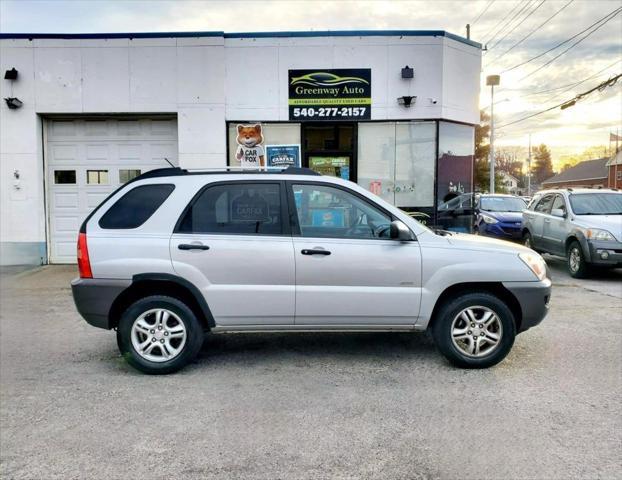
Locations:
{"points": [[597, 234], [488, 219], [535, 263]]}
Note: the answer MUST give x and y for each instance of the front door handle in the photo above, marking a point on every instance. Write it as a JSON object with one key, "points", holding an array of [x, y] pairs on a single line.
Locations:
{"points": [[313, 251], [192, 246]]}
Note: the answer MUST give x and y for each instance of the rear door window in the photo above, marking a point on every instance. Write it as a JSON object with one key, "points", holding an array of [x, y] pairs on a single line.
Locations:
{"points": [[236, 208], [136, 206]]}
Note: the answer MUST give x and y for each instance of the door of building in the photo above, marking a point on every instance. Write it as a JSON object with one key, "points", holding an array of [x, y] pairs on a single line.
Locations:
{"points": [[87, 158], [329, 148]]}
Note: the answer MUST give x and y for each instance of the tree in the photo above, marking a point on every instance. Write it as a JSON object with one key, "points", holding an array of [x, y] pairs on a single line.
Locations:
{"points": [[590, 153], [542, 168], [481, 173]]}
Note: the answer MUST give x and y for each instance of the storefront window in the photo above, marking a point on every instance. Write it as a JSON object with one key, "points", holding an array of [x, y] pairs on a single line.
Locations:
{"points": [[455, 176], [252, 149], [396, 162]]}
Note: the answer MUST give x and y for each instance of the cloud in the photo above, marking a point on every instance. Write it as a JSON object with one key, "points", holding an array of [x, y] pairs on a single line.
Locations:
{"points": [[568, 127]]}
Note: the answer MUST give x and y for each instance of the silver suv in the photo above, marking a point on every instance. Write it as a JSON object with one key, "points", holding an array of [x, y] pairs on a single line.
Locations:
{"points": [[584, 225], [174, 254]]}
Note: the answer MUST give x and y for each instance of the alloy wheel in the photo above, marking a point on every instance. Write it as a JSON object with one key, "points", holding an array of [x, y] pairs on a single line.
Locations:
{"points": [[574, 259], [158, 335], [476, 331]]}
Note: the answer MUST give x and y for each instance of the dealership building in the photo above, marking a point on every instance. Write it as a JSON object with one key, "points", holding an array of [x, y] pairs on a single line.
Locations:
{"points": [[394, 111]]}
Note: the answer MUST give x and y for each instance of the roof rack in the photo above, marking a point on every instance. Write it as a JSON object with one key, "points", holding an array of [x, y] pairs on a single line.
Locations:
{"points": [[177, 171]]}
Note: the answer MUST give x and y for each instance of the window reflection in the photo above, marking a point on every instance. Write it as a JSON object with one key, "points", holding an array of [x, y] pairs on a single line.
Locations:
{"points": [[455, 176]]}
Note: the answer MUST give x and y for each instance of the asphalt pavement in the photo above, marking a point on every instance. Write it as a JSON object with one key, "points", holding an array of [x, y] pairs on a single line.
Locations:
{"points": [[297, 406]]}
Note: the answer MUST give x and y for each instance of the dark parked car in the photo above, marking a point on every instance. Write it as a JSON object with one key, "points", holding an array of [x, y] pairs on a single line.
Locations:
{"points": [[499, 216]]}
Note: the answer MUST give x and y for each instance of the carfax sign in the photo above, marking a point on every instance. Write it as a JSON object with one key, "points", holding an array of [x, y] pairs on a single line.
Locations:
{"points": [[339, 94], [283, 155]]}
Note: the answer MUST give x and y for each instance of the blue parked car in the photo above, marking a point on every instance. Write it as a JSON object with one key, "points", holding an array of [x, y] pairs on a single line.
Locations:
{"points": [[499, 216]]}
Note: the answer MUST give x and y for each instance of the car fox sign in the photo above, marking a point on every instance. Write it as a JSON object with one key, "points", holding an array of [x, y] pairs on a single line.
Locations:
{"points": [[337, 94]]}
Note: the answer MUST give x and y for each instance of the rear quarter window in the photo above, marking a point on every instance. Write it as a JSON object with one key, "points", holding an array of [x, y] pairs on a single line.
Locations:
{"points": [[136, 206]]}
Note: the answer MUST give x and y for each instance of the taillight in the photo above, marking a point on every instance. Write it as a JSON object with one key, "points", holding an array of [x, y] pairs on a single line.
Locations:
{"points": [[84, 264]]}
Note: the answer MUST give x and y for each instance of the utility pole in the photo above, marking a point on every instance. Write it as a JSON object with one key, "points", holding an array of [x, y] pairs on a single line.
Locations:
{"points": [[529, 169], [468, 31], [492, 81]]}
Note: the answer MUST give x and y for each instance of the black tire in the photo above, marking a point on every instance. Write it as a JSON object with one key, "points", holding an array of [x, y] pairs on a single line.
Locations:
{"points": [[582, 268], [193, 340], [442, 330]]}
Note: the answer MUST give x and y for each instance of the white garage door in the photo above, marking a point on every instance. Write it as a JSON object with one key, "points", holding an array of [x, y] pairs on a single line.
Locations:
{"points": [[89, 158]]}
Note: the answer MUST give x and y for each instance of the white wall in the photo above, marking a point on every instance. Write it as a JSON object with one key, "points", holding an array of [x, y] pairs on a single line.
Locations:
{"points": [[205, 81], [256, 87]]}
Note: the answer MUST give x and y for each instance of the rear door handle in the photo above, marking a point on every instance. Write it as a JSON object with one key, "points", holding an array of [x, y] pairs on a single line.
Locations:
{"points": [[313, 251], [192, 246]]}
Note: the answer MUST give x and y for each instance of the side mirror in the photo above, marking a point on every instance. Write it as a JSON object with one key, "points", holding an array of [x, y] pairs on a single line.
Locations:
{"points": [[558, 212], [399, 231]]}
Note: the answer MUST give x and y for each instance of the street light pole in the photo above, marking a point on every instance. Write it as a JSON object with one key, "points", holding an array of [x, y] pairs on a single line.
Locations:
{"points": [[492, 81]]}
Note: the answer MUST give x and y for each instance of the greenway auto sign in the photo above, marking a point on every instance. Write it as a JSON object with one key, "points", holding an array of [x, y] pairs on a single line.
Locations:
{"points": [[340, 94]]}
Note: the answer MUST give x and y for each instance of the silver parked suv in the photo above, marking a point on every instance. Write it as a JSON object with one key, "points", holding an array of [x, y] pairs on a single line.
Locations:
{"points": [[584, 225], [174, 254]]}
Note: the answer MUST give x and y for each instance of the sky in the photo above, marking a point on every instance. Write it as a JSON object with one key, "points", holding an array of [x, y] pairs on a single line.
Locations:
{"points": [[500, 24]]}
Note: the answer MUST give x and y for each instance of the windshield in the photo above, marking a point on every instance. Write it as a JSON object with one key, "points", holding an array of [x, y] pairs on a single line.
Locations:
{"points": [[596, 203], [502, 204]]}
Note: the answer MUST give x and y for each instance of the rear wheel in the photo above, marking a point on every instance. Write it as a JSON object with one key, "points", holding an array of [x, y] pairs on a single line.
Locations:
{"points": [[159, 335], [475, 330], [575, 259]]}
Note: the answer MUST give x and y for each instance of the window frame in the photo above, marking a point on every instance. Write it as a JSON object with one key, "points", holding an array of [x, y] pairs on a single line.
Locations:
{"points": [[544, 197], [564, 205], [295, 226], [285, 224], [99, 221]]}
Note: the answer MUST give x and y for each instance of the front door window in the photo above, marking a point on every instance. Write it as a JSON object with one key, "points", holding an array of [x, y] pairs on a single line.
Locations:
{"points": [[330, 212]]}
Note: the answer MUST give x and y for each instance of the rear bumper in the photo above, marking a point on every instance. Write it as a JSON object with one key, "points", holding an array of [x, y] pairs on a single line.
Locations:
{"points": [[534, 299], [94, 297]]}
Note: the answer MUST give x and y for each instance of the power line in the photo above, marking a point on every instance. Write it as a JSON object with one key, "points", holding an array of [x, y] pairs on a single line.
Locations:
{"points": [[571, 85], [483, 12], [506, 24], [533, 31], [616, 11], [568, 103], [571, 46], [518, 24], [494, 29]]}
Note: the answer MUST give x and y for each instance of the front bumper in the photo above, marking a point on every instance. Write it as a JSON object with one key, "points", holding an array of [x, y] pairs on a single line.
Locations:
{"points": [[534, 299], [504, 230], [94, 297], [605, 253]]}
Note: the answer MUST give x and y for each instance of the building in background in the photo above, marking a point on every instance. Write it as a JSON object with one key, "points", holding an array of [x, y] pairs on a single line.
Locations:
{"points": [[509, 182], [589, 174], [614, 164], [392, 110]]}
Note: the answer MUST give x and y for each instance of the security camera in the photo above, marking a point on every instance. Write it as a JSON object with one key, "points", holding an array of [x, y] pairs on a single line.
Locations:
{"points": [[433, 101]]}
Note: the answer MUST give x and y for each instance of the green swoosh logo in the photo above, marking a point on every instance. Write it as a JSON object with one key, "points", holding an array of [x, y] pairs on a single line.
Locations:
{"points": [[325, 79]]}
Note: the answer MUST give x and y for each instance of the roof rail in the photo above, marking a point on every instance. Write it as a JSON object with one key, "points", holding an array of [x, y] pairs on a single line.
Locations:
{"points": [[289, 170], [177, 171]]}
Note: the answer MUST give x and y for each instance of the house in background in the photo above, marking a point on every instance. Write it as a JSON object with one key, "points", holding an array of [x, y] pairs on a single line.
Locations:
{"points": [[590, 174], [510, 182], [614, 165]]}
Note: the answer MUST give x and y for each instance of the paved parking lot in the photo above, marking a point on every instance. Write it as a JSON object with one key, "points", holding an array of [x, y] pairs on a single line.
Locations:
{"points": [[310, 405]]}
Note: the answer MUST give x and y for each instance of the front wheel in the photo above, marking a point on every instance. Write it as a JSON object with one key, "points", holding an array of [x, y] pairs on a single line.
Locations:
{"points": [[475, 330], [159, 334], [577, 265]]}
